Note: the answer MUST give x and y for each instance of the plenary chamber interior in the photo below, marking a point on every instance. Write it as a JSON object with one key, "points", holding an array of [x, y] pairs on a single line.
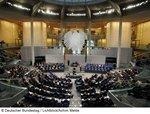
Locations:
{"points": [[74, 53]]}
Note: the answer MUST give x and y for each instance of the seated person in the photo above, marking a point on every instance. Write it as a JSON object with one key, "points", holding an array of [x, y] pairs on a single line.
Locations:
{"points": [[74, 71]]}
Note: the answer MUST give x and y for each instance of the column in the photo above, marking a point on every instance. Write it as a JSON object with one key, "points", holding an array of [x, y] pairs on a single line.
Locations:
{"points": [[89, 39], [32, 44], [34, 40], [112, 34], [118, 37], [62, 28], [119, 44], [39, 33], [62, 32]]}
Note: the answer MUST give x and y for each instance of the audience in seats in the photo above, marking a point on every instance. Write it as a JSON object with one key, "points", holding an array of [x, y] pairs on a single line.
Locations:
{"points": [[98, 68], [2, 70], [3, 55], [16, 71], [93, 90], [89, 96], [113, 80], [46, 90], [54, 67]]}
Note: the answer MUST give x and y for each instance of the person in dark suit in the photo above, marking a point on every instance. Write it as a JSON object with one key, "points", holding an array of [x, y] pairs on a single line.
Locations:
{"points": [[74, 71], [68, 62]]}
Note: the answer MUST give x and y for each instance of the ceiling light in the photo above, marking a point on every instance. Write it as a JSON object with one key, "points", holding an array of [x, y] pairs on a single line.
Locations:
{"points": [[110, 11], [135, 5], [18, 6], [47, 12], [76, 14]]}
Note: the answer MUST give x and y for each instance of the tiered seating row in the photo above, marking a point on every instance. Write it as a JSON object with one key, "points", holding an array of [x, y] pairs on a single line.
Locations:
{"points": [[98, 68], [104, 82], [46, 90], [55, 67]]}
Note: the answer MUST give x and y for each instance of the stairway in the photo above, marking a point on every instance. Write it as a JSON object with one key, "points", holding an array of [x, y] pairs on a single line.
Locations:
{"points": [[76, 100]]}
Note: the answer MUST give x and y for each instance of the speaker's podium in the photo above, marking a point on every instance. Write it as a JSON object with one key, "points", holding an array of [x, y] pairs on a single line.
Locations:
{"points": [[75, 69], [73, 76], [74, 73]]}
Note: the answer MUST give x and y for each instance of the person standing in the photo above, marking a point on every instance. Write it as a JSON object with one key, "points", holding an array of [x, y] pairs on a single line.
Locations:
{"points": [[68, 62]]}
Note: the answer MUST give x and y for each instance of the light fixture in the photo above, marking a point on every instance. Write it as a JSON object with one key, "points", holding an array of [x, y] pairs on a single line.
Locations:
{"points": [[18, 6], [47, 12], [135, 5], [76, 14], [110, 11]]}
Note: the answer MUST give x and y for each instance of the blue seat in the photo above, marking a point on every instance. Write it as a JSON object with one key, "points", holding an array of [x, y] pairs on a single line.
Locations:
{"points": [[98, 68]]}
